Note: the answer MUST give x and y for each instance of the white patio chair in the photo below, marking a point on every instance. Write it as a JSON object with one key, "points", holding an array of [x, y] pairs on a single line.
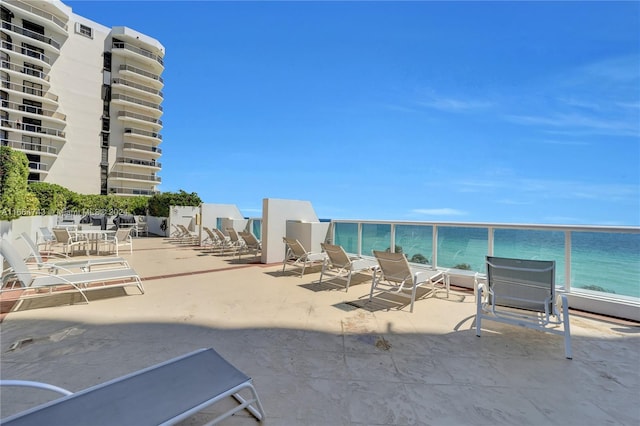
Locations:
{"points": [[297, 255], [396, 276], [121, 238], [522, 292], [340, 265], [69, 241]]}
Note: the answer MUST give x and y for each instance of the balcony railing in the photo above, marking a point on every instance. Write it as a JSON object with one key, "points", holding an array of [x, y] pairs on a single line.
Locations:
{"points": [[141, 72], [127, 114], [138, 86], [135, 49], [30, 146], [32, 109], [27, 52], [135, 176], [602, 261], [33, 128], [145, 133], [141, 147], [24, 70], [136, 101], [133, 191], [34, 165], [138, 162], [31, 34], [29, 90], [39, 12]]}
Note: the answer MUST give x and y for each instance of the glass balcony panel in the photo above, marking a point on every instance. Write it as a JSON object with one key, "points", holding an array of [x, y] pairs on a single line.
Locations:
{"points": [[346, 235], [532, 244], [606, 262], [375, 237], [415, 241], [462, 248]]}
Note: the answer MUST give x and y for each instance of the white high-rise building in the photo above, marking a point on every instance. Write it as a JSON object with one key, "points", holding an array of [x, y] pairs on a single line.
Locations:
{"points": [[81, 100]]}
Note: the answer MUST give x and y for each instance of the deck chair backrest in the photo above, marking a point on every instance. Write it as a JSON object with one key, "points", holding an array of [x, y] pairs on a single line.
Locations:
{"points": [[522, 284], [33, 249], [233, 235], [249, 238], [13, 258], [295, 247], [337, 255], [122, 234], [46, 234], [394, 266], [62, 235], [220, 234]]}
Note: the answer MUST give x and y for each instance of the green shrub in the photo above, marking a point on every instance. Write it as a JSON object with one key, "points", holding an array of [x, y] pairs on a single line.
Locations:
{"points": [[159, 203], [15, 201]]}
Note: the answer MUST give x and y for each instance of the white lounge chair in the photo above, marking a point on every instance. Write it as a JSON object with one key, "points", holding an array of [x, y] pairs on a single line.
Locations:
{"points": [[46, 238], [339, 264], [62, 261], [163, 394], [237, 243], [20, 275], [297, 255], [396, 276], [522, 292], [251, 243]]}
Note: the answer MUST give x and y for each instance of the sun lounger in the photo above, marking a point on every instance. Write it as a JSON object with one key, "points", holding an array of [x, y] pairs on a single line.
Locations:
{"points": [[297, 255], [65, 263], [163, 394], [21, 276], [341, 265]]}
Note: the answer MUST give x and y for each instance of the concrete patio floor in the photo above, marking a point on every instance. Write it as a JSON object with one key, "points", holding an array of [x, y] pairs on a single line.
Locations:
{"points": [[319, 355]]}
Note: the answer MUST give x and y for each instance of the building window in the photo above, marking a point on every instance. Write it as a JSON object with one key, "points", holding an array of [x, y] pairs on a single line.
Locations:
{"points": [[84, 30]]}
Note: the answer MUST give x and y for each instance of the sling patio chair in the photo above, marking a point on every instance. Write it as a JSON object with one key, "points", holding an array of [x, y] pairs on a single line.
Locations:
{"points": [[68, 241], [163, 394], [237, 243], [339, 264], [45, 238], [394, 275], [296, 255], [24, 278], [522, 292], [61, 261], [251, 243], [122, 238]]}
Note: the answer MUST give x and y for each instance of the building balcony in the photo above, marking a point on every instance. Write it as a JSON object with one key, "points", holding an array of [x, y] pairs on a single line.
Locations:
{"points": [[135, 72], [134, 117], [35, 112], [137, 162], [133, 133], [134, 177], [133, 191], [20, 34], [20, 71], [29, 92], [43, 17], [27, 54], [128, 50], [152, 107], [32, 148], [33, 129], [141, 89], [140, 148]]}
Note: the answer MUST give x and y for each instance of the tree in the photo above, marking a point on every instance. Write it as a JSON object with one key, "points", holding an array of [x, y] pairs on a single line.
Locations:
{"points": [[159, 203], [15, 200]]}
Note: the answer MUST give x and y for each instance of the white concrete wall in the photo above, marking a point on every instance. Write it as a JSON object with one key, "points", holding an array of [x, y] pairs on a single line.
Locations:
{"points": [[183, 215], [275, 214], [211, 212]]}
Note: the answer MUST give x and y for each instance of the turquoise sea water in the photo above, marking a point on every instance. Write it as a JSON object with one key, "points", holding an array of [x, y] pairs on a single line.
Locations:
{"points": [[600, 261]]}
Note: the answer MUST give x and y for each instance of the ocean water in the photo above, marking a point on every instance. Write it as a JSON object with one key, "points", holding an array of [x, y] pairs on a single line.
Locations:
{"points": [[605, 262]]}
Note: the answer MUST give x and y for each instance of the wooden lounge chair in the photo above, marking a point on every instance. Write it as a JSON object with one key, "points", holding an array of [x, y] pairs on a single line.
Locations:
{"points": [[163, 394], [21, 276], [296, 255], [395, 276], [341, 265], [522, 292]]}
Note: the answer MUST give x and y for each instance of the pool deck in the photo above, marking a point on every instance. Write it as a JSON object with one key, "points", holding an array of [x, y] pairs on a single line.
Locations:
{"points": [[319, 355]]}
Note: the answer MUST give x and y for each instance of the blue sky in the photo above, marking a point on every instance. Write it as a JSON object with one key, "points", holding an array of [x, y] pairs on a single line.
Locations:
{"points": [[438, 111]]}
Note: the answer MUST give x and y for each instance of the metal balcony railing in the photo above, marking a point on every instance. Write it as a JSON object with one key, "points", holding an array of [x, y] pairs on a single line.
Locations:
{"points": [[138, 162], [140, 117], [141, 147], [132, 131], [136, 101], [141, 72], [135, 176], [30, 146], [34, 110], [138, 86], [39, 12], [24, 70], [31, 34], [27, 52], [139, 51]]}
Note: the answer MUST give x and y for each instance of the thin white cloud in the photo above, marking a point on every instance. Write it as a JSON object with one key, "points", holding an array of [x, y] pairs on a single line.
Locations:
{"points": [[439, 212], [579, 122], [455, 105]]}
